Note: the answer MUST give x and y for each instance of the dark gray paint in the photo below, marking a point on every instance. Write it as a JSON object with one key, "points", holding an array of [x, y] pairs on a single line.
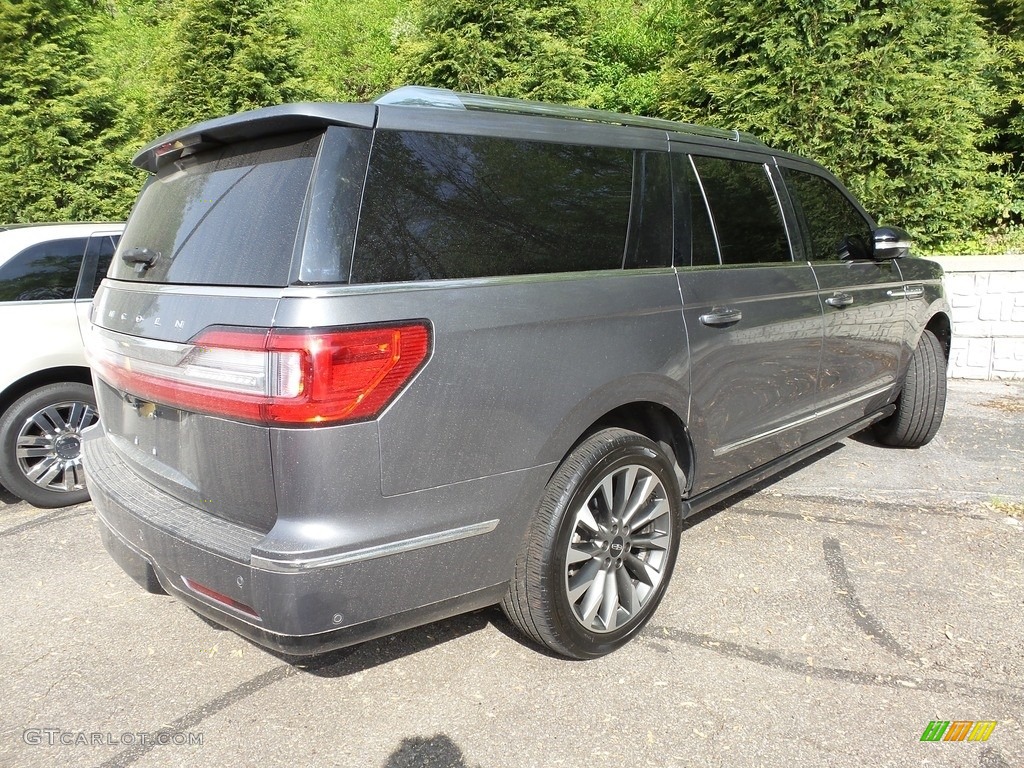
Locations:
{"points": [[522, 367]]}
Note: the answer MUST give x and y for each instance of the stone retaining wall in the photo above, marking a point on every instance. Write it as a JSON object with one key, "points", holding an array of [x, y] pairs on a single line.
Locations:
{"points": [[987, 296]]}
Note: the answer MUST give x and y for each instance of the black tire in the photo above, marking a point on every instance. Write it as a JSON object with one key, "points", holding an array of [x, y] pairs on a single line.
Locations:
{"points": [[47, 423], [922, 399], [636, 550]]}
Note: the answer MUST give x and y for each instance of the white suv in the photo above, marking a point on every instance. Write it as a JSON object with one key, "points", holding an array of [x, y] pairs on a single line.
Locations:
{"points": [[48, 275]]}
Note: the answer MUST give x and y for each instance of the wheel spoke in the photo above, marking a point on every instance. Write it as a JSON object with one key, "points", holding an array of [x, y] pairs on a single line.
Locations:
{"points": [[656, 541], [74, 475], [585, 518], [594, 598], [34, 452], [639, 570], [55, 418], [628, 597], [67, 481], [82, 415], [623, 492], [605, 498], [610, 602], [582, 580], [43, 472], [653, 512], [641, 493], [581, 552]]}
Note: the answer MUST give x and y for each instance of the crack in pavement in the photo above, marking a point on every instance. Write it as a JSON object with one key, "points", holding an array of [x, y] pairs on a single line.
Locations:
{"points": [[191, 719], [862, 617], [833, 674], [53, 517]]}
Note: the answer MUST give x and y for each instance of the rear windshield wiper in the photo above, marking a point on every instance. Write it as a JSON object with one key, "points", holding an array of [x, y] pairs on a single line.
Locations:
{"points": [[140, 258]]}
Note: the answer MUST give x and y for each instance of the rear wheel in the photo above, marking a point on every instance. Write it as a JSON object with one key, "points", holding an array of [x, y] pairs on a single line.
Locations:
{"points": [[601, 547], [922, 399], [41, 444]]}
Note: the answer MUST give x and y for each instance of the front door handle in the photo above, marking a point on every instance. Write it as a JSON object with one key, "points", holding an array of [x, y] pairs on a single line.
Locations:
{"points": [[721, 316], [839, 300], [908, 292]]}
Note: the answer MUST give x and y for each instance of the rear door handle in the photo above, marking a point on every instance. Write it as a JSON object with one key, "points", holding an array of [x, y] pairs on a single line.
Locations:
{"points": [[721, 316], [839, 300]]}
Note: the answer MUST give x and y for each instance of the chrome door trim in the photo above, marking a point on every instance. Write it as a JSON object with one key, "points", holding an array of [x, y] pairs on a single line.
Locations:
{"points": [[800, 422]]}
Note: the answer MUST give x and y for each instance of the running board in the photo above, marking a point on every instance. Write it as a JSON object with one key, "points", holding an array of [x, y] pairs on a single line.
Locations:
{"points": [[714, 495]]}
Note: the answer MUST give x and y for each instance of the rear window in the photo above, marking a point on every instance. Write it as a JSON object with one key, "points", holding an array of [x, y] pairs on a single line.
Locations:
{"points": [[438, 206], [228, 216]]}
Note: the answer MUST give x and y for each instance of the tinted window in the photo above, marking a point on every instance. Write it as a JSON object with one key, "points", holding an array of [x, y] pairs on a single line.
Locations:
{"points": [[440, 206], [97, 261], [334, 206], [695, 240], [650, 222], [224, 217], [836, 229], [744, 209], [44, 271]]}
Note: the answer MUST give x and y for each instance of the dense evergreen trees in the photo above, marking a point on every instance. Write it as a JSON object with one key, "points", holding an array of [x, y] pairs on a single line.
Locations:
{"points": [[64, 136], [227, 56], [527, 48], [888, 95], [917, 104]]}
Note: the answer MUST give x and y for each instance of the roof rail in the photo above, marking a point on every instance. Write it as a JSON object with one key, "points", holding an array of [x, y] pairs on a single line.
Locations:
{"points": [[442, 98]]}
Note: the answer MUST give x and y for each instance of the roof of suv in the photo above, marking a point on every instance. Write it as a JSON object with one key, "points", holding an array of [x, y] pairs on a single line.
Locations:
{"points": [[318, 115]]}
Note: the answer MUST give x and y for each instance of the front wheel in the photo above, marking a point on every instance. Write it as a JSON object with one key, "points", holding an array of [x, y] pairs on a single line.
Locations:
{"points": [[601, 547], [41, 444], [922, 399]]}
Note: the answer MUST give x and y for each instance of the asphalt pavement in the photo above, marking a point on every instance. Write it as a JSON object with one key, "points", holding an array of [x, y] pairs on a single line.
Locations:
{"points": [[825, 618]]}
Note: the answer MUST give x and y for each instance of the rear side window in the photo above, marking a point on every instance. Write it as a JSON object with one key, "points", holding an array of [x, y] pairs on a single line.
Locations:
{"points": [[744, 209], [438, 206], [835, 228], [224, 217], [42, 272]]}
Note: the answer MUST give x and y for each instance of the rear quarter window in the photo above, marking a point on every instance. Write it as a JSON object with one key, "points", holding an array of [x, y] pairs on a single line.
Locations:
{"points": [[438, 206]]}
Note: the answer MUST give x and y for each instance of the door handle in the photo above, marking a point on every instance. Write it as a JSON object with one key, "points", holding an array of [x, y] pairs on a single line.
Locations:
{"points": [[839, 300], [907, 292], [721, 316]]}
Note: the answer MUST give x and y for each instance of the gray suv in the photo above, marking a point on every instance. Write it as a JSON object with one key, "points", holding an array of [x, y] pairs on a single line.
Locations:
{"points": [[364, 366]]}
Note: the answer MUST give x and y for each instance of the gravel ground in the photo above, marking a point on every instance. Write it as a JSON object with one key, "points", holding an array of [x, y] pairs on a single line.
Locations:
{"points": [[822, 619]]}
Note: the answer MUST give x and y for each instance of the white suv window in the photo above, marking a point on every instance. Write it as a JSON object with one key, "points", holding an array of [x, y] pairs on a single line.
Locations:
{"points": [[45, 271]]}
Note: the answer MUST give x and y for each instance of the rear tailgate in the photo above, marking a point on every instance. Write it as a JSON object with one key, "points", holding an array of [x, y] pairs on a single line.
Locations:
{"points": [[215, 464]]}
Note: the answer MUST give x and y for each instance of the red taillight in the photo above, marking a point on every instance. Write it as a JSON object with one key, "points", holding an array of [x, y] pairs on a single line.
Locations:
{"points": [[278, 376]]}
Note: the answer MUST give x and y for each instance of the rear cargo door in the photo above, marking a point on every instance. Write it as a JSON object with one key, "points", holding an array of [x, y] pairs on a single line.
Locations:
{"points": [[210, 245]]}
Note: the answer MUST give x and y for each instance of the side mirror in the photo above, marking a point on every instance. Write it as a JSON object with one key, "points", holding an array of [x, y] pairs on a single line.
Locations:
{"points": [[889, 243]]}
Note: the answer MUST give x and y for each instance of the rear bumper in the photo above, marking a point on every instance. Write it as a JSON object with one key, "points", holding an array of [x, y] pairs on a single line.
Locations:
{"points": [[301, 601]]}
